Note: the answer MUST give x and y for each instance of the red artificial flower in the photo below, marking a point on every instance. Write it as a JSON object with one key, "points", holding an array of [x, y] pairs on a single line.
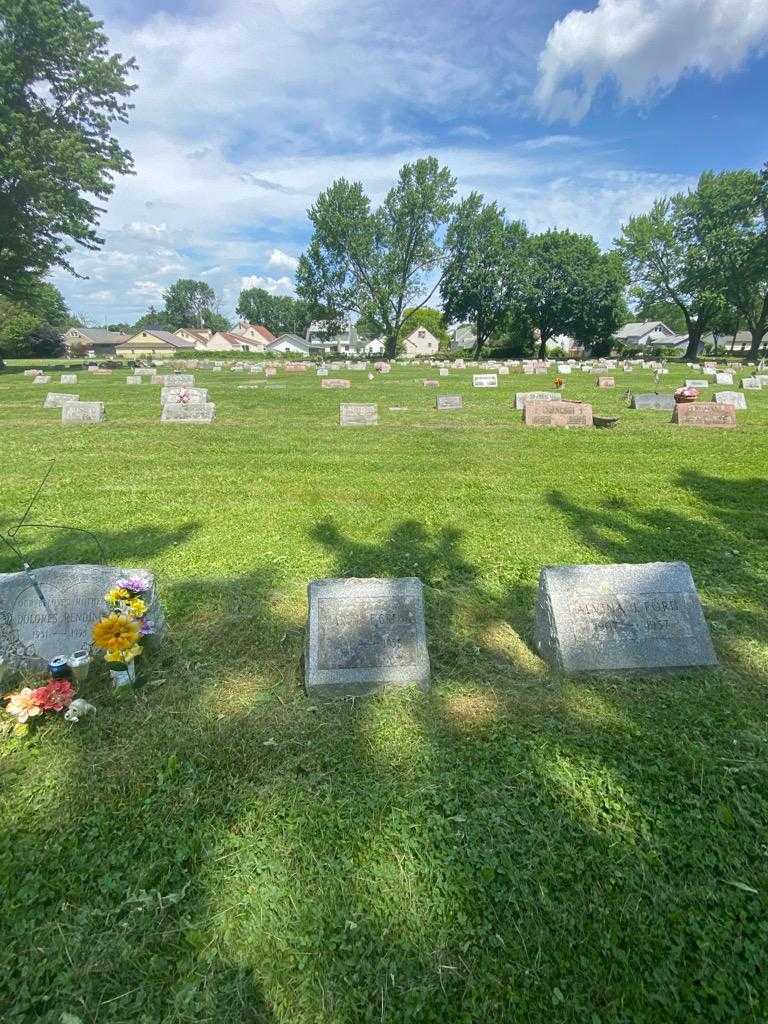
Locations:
{"points": [[56, 695]]}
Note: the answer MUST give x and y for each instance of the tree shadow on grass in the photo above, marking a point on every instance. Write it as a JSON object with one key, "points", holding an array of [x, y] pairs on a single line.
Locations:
{"points": [[231, 852]]}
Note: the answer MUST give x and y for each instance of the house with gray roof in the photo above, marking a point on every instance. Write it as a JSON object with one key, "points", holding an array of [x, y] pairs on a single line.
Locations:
{"points": [[95, 340], [152, 341]]}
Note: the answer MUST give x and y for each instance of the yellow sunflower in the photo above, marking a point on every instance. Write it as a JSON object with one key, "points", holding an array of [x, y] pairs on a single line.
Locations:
{"points": [[116, 632]]}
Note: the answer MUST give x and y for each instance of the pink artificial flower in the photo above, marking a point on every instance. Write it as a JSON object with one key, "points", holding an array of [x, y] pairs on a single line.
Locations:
{"points": [[56, 695]]}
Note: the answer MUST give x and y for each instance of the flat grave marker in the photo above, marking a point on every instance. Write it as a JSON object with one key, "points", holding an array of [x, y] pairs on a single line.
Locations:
{"points": [[485, 380], [68, 378], [357, 415], [606, 382], [698, 383], [75, 413], [659, 403], [180, 380], [444, 403], [364, 635], [133, 378], [183, 395], [42, 378], [202, 413], [56, 400], [335, 383], [735, 398], [618, 618], [557, 414]]}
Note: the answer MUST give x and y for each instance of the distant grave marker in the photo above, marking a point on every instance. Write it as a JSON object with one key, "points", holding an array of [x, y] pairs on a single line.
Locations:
{"points": [[180, 380], [536, 396], [133, 378], [698, 383], [557, 414], [358, 415], [606, 382], [703, 414], [335, 384], [735, 398], [751, 384], [444, 403], [202, 413], [659, 403], [56, 400], [42, 378], [68, 378], [75, 413], [183, 396], [485, 380]]}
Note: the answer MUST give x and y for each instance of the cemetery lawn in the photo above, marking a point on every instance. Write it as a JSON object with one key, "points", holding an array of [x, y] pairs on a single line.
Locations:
{"points": [[515, 845]]}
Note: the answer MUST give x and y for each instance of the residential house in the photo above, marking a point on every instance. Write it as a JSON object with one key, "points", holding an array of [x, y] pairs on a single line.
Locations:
{"points": [[93, 341], [373, 346], [289, 343], [199, 336], [463, 337], [228, 341], [646, 334], [153, 342], [742, 341], [257, 333], [419, 343]]}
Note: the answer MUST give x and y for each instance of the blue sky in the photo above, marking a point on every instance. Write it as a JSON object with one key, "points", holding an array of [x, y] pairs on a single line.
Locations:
{"points": [[568, 117]]}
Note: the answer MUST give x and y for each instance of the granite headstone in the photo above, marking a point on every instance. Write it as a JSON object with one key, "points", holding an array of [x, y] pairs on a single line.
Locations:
{"points": [[74, 413], [358, 415]]}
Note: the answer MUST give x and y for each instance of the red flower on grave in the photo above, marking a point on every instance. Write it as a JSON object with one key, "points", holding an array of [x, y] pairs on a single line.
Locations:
{"points": [[56, 695]]}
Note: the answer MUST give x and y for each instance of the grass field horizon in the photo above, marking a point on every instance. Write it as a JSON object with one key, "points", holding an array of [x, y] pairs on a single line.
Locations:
{"points": [[514, 845]]}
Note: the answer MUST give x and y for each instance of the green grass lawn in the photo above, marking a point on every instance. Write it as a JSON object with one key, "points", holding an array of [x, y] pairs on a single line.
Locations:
{"points": [[514, 845]]}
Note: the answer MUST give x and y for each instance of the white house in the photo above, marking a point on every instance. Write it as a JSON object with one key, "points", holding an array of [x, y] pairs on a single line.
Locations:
{"points": [[227, 341], [373, 346], [199, 336], [289, 343], [463, 337], [644, 334], [420, 342], [152, 342]]}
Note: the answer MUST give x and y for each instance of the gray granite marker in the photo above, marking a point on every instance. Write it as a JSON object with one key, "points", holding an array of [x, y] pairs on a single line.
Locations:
{"points": [[185, 396], [659, 403], [358, 415], [735, 398], [33, 630], [68, 378], [56, 400], [179, 412], [446, 402], [364, 635], [536, 396], [606, 618], [75, 413]]}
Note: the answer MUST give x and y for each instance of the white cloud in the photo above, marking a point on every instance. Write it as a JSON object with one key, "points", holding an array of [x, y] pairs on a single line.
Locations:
{"points": [[645, 46], [149, 290], [280, 259], [274, 285], [142, 229]]}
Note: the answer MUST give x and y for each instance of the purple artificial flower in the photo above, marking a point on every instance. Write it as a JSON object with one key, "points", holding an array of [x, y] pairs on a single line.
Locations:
{"points": [[147, 627], [136, 584]]}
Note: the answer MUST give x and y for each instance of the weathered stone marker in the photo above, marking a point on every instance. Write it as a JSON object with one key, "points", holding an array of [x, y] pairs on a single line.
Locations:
{"points": [[185, 396], [557, 414], [485, 380], [536, 396], [660, 403], [431, 383], [735, 398], [42, 378], [68, 378], [335, 383], [358, 415], [698, 384], [723, 378], [33, 630], [56, 400], [133, 378], [446, 402], [606, 618], [180, 412], [700, 414], [180, 380], [751, 383], [443, 372], [74, 413], [606, 382], [365, 634]]}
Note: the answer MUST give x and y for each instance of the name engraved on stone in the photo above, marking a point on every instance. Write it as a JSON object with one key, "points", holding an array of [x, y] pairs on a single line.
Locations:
{"points": [[364, 634], [179, 412], [596, 618], [735, 398], [68, 378], [335, 383], [184, 395], [358, 415], [698, 383], [535, 396], [180, 380], [485, 380], [55, 400], [73, 413], [751, 383], [701, 414], [447, 402], [659, 403], [557, 414]]}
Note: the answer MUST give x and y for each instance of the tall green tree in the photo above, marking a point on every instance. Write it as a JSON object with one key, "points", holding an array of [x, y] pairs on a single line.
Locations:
{"points": [[726, 220], [278, 313], [374, 264], [484, 261], [667, 312], [568, 286], [666, 264], [61, 92], [191, 303]]}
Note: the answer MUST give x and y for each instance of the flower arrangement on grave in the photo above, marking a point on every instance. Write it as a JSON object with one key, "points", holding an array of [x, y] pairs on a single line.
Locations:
{"points": [[56, 695], [126, 623], [686, 394], [558, 382]]}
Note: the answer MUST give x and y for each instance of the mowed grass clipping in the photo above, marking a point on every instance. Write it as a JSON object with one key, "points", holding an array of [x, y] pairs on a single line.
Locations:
{"points": [[514, 845]]}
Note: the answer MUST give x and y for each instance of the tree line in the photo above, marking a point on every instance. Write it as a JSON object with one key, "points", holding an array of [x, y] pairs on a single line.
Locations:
{"points": [[700, 255]]}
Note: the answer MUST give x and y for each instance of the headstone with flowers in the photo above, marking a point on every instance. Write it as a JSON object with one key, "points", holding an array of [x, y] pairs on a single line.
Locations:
{"points": [[122, 631]]}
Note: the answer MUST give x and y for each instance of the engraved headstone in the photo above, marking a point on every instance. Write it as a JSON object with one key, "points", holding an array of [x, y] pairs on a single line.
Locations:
{"points": [[133, 378], [485, 380], [606, 618], [184, 396], [723, 378], [68, 378], [74, 413], [535, 396], [606, 382], [443, 372], [431, 383], [660, 403], [322, 371], [734, 398], [503, 371], [335, 383], [32, 373], [42, 378], [358, 415], [158, 378], [704, 414], [447, 402], [180, 412], [557, 414], [32, 631], [180, 380], [751, 383], [698, 384], [365, 634], [55, 400]]}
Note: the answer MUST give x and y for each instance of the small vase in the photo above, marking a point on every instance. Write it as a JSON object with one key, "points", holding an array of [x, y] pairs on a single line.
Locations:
{"points": [[124, 675]]}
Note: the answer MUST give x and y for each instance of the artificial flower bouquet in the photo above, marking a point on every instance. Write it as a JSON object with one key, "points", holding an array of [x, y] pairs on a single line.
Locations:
{"points": [[558, 382], [686, 394], [119, 631], [57, 695]]}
